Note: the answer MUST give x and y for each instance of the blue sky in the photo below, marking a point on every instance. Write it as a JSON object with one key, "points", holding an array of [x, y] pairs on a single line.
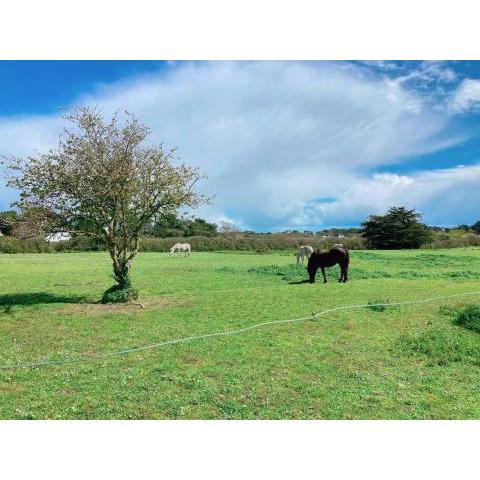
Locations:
{"points": [[301, 145], [41, 87]]}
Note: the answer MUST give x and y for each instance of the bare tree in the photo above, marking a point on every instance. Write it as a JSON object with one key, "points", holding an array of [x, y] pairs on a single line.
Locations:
{"points": [[228, 228], [102, 182]]}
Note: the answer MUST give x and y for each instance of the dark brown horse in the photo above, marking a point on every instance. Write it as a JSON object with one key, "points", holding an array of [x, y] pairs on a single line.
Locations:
{"points": [[336, 255]]}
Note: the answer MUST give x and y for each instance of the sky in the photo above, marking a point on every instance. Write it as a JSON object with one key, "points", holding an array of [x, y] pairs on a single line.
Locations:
{"points": [[285, 145]]}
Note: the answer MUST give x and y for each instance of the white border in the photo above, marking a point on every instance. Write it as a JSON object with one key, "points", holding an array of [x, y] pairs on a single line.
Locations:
{"points": [[222, 29], [243, 450], [239, 30]]}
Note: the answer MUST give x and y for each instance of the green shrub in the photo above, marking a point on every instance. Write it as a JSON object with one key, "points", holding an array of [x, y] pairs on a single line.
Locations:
{"points": [[468, 317], [120, 294]]}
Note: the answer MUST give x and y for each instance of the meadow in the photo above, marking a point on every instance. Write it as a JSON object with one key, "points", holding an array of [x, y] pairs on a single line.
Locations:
{"points": [[399, 362]]}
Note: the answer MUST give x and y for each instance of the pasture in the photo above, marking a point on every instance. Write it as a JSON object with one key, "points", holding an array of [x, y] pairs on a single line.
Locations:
{"points": [[408, 362]]}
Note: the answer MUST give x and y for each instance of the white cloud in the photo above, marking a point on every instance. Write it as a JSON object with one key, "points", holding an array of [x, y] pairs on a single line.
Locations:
{"points": [[272, 137], [466, 97], [444, 196]]}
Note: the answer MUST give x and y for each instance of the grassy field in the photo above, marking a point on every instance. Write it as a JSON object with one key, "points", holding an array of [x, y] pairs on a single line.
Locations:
{"points": [[375, 363]]}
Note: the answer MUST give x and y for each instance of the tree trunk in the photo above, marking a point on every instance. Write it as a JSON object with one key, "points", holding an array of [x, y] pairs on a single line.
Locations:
{"points": [[122, 291], [121, 270]]}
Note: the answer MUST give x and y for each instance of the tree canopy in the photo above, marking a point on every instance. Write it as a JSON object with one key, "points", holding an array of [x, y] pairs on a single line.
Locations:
{"points": [[398, 228], [103, 182]]}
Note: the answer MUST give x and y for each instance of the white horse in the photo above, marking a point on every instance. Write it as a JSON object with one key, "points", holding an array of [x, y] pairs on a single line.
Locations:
{"points": [[182, 247], [304, 251]]}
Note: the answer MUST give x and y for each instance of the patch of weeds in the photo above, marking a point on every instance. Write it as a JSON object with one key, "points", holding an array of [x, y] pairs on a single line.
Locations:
{"points": [[296, 272], [368, 255], [458, 274], [447, 310], [429, 259], [441, 346], [226, 270], [361, 274], [468, 317], [286, 272], [462, 274], [411, 274], [379, 305]]}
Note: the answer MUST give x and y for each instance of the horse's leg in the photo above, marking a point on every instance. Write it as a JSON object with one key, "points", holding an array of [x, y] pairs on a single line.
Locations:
{"points": [[324, 276], [312, 271], [342, 272], [298, 258], [345, 273]]}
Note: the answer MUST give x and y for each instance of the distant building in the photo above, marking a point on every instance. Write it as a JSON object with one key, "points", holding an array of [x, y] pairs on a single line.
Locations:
{"points": [[58, 237]]}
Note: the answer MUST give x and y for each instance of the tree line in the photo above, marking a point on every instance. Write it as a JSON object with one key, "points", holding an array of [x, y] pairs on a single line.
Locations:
{"points": [[398, 228]]}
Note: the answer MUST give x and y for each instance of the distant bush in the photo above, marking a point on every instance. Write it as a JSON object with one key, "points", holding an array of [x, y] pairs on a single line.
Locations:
{"points": [[445, 240], [259, 243], [244, 242], [16, 245]]}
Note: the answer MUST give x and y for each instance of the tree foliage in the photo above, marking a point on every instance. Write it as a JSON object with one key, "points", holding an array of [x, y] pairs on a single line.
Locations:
{"points": [[172, 226], [102, 182], [398, 228]]}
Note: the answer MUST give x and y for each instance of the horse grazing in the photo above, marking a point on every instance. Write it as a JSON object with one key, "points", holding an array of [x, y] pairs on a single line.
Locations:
{"points": [[338, 254], [304, 251], [182, 247]]}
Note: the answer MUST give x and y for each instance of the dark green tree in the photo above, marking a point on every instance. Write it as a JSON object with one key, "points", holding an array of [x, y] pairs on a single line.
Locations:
{"points": [[8, 221], [201, 227], [398, 228], [172, 226]]}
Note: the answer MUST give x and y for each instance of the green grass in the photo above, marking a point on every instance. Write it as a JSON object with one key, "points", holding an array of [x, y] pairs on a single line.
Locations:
{"points": [[413, 362]]}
